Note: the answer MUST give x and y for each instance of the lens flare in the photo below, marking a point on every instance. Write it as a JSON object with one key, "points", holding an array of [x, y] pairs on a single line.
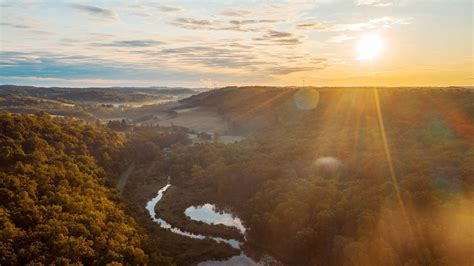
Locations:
{"points": [[306, 99]]}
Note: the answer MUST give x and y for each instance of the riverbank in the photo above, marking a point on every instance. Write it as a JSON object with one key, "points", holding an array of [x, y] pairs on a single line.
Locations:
{"points": [[185, 250], [177, 200]]}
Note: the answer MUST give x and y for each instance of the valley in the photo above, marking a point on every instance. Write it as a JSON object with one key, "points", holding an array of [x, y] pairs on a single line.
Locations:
{"points": [[237, 133], [270, 176]]}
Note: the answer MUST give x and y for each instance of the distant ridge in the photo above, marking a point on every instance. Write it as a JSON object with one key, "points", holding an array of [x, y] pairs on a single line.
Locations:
{"points": [[10, 86]]}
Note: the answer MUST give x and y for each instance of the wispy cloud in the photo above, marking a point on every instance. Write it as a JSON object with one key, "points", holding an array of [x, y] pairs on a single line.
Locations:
{"points": [[235, 12], [381, 22], [285, 70], [252, 21], [161, 7], [54, 65], [28, 28], [229, 25], [313, 25], [95, 11], [279, 37], [376, 3], [131, 43], [167, 8], [258, 40], [202, 24], [341, 38], [14, 25], [211, 57]]}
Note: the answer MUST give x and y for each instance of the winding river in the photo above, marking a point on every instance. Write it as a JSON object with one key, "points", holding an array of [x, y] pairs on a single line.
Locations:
{"points": [[207, 213]]}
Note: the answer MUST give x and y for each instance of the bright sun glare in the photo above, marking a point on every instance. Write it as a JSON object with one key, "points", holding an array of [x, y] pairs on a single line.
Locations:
{"points": [[369, 47]]}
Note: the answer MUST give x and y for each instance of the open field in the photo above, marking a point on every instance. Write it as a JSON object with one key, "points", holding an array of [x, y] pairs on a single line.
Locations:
{"points": [[198, 119]]}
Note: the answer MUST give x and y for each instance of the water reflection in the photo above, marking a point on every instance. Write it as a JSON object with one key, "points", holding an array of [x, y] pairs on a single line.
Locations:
{"points": [[241, 260], [150, 206], [208, 213]]}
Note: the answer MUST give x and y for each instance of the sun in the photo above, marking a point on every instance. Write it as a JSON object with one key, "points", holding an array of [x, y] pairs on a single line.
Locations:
{"points": [[369, 47]]}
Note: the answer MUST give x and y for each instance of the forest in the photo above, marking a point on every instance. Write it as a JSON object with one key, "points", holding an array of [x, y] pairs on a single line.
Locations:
{"points": [[315, 187], [54, 205], [311, 181]]}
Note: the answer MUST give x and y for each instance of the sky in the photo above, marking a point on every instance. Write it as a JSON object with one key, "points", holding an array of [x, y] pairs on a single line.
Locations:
{"points": [[224, 43]]}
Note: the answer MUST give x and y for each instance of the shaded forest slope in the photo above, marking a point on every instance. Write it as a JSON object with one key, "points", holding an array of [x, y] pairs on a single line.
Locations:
{"points": [[54, 206]]}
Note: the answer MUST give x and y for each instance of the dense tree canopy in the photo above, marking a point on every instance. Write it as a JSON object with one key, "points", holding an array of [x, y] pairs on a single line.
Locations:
{"points": [[315, 187], [54, 207]]}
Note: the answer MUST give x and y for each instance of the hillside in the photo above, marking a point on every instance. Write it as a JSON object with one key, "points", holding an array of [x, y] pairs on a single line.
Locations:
{"points": [[54, 207], [90, 104], [115, 94], [253, 109], [344, 176], [313, 182]]}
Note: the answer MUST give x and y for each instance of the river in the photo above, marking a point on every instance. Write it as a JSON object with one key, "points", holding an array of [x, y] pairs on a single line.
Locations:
{"points": [[207, 213]]}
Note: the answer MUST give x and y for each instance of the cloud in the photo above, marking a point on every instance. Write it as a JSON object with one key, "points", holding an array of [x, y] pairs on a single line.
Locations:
{"points": [[387, 20], [285, 70], [166, 8], [87, 82], [131, 43], [236, 12], [381, 22], [41, 32], [264, 10], [212, 57], [29, 28], [366, 2], [251, 21], [192, 21], [32, 78], [376, 3], [278, 34], [230, 25], [184, 56], [279, 37], [101, 36], [314, 25], [51, 65], [383, 4], [232, 57], [341, 38], [198, 24], [161, 7], [51, 68], [95, 11], [14, 25]]}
